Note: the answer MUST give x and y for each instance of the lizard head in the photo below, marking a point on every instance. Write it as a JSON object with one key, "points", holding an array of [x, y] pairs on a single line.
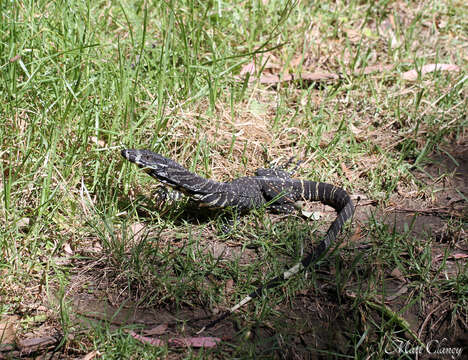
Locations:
{"points": [[156, 165], [145, 159]]}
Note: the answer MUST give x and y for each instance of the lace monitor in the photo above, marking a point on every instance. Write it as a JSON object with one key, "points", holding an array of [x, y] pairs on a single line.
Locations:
{"points": [[269, 186]]}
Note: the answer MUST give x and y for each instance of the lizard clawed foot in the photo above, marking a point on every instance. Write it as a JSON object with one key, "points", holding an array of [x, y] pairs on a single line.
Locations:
{"points": [[287, 164], [163, 195], [227, 223], [295, 164]]}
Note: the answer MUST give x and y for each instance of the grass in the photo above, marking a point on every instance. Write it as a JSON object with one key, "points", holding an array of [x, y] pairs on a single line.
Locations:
{"points": [[81, 80]]}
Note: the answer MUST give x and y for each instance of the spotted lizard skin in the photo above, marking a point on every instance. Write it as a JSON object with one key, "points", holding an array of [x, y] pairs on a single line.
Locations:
{"points": [[269, 186]]}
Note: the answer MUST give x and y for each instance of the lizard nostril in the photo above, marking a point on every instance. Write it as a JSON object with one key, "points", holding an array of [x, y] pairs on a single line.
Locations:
{"points": [[126, 153]]}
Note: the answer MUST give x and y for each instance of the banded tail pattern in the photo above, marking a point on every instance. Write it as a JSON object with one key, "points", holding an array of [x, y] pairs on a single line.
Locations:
{"points": [[314, 191]]}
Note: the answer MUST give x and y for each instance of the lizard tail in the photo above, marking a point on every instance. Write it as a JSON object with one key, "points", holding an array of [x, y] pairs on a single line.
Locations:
{"points": [[340, 200]]}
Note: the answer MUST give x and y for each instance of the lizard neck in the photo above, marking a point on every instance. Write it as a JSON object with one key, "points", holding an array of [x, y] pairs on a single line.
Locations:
{"points": [[185, 181]]}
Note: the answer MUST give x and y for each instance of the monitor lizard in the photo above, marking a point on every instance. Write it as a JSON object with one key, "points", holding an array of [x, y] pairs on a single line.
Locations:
{"points": [[272, 187]]}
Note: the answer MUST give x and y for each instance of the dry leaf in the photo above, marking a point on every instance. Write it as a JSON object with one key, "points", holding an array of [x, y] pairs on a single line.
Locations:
{"points": [[318, 76], [62, 260], [229, 286], [311, 215], [296, 61], [196, 342], [158, 330], [412, 75], [267, 62], [354, 36], [15, 58], [23, 223], [271, 63], [145, 339], [373, 68], [248, 69], [307, 76], [402, 290], [98, 142], [357, 234], [396, 273], [91, 355], [7, 329], [67, 248], [311, 76], [347, 172], [28, 346], [137, 230], [269, 79], [355, 130], [97, 247]]}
